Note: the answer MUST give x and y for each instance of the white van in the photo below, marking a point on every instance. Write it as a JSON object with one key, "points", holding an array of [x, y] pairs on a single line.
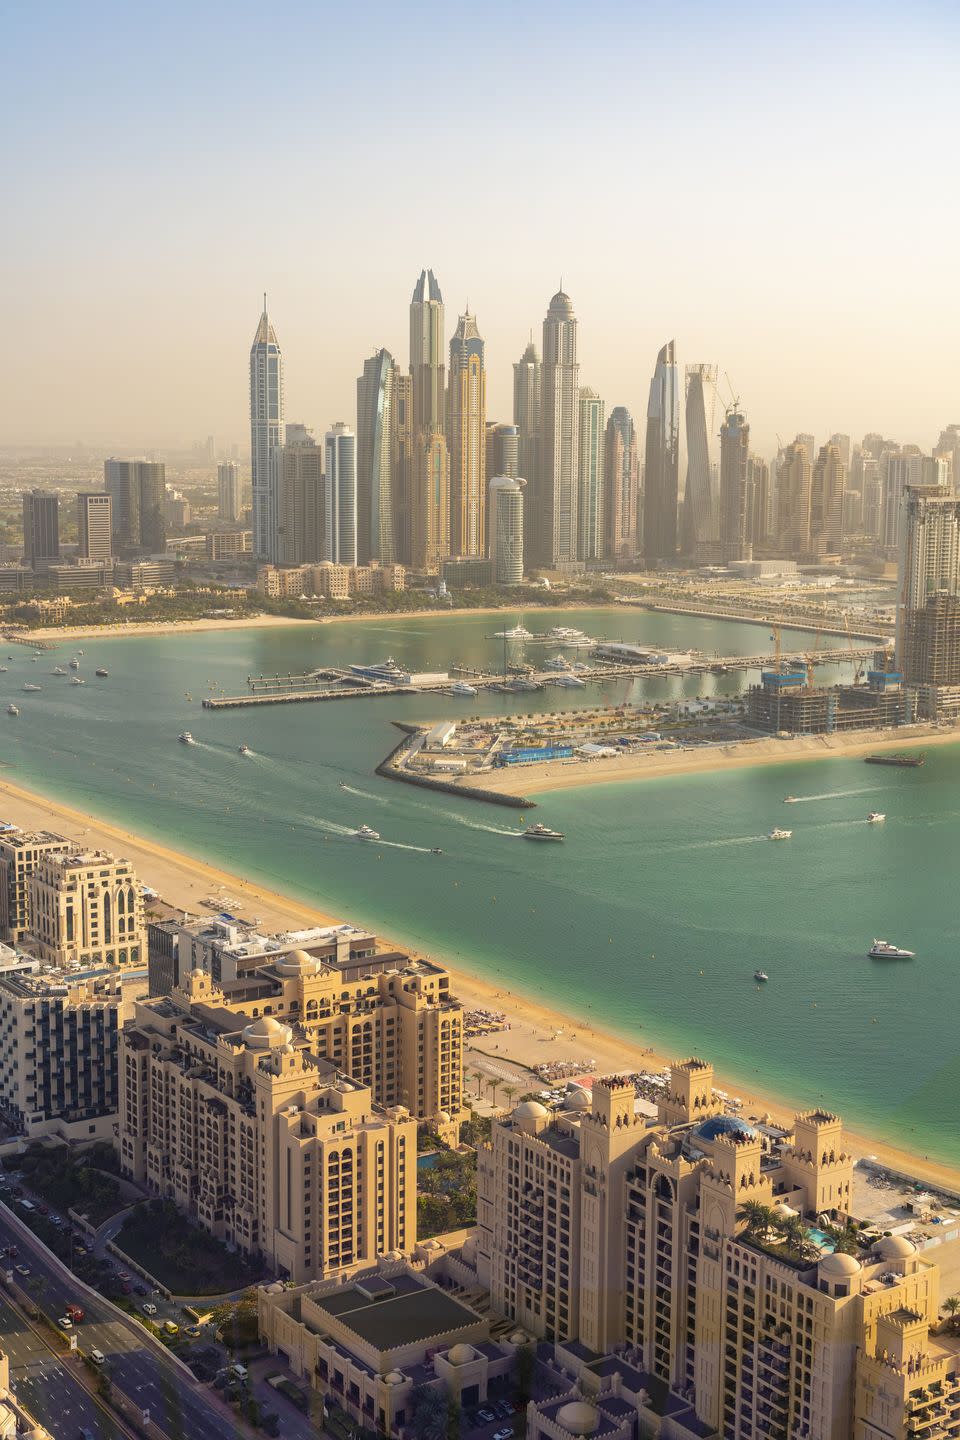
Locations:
{"points": [[97, 1356]]}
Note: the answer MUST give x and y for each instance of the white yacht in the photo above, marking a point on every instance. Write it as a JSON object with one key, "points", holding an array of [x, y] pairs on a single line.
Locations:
{"points": [[540, 832], [13, 710], [74, 663], [518, 632], [556, 662], [884, 950], [760, 976], [58, 670], [28, 686], [876, 817], [777, 834], [460, 687], [365, 833], [186, 738], [244, 750], [75, 680], [572, 682], [387, 670], [790, 800]]}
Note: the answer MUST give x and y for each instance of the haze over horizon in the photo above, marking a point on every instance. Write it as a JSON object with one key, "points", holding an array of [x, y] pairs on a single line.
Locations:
{"points": [[773, 191]]}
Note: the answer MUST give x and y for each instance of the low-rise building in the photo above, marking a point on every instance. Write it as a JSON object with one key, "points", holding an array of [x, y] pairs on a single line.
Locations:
{"points": [[268, 1147], [87, 909], [229, 544], [331, 580], [58, 1047]]}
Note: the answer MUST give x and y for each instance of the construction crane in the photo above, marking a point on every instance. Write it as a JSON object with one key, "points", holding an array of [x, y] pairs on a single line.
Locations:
{"points": [[854, 658]]}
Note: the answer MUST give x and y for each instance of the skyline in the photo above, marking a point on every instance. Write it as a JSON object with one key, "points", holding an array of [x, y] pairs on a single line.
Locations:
{"points": [[840, 186]]}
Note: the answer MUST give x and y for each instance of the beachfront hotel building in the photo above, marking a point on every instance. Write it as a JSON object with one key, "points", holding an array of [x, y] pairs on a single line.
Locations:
{"points": [[387, 1020], [20, 853], [58, 1047], [641, 1250], [264, 1144], [86, 908]]}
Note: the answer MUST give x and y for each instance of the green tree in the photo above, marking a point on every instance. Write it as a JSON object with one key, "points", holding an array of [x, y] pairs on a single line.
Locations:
{"points": [[758, 1218], [952, 1306]]}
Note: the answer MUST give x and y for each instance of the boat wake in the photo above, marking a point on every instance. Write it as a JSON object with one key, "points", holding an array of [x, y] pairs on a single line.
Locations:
{"points": [[365, 794], [716, 844], [834, 795], [399, 845], [479, 825]]}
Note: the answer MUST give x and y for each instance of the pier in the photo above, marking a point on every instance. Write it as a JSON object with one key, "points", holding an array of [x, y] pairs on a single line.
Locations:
{"points": [[343, 685]]}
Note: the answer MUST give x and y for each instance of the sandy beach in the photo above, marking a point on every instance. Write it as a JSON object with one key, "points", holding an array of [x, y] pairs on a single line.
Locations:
{"points": [[570, 774], [533, 1037]]}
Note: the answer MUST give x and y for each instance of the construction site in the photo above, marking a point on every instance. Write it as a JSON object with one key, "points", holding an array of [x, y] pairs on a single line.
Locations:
{"points": [[788, 701]]}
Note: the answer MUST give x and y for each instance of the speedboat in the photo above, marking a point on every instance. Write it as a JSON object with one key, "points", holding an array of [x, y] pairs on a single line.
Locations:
{"points": [[789, 799], [28, 686], [760, 975], [75, 680], [243, 749], [186, 738], [4, 669], [365, 833], [58, 670], [13, 710], [460, 687], [884, 950], [876, 817], [74, 663], [436, 850], [104, 673], [540, 832], [777, 834]]}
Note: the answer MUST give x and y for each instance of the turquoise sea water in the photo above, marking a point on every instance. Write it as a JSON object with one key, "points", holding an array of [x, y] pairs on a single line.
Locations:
{"points": [[650, 919]]}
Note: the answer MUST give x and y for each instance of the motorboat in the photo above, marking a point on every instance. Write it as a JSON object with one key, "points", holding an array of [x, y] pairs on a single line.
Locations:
{"points": [[777, 834], [75, 680], [4, 669], [884, 950], [104, 673], [244, 750], [13, 710], [518, 632], [760, 976], [58, 670], [435, 850], [28, 686], [572, 682], [387, 670], [540, 832], [74, 663], [557, 662], [876, 817], [790, 800], [365, 833], [460, 687], [186, 738]]}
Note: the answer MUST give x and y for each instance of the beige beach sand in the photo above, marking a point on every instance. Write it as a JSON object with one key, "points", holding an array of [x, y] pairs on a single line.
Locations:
{"points": [[184, 882], [569, 774]]}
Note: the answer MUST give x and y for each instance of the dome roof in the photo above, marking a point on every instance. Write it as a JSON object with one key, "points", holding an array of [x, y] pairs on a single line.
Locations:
{"points": [[895, 1247], [519, 1337], [562, 302], [393, 1377], [839, 1265], [718, 1125], [197, 974], [297, 962], [460, 1355], [785, 1211], [578, 1417], [266, 1034], [579, 1099], [443, 1118], [393, 1255], [531, 1110]]}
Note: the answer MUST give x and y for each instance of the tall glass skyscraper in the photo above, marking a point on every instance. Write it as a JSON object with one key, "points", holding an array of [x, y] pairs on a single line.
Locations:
{"points": [[662, 461], [340, 495], [526, 410], [699, 506], [466, 423], [266, 437], [552, 508], [620, 486], [734, 457], [429, 524], [375, 527], [590, 477]]}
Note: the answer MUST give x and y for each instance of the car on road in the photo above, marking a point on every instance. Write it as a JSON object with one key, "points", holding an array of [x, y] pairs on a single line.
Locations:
{"points": [[75, 1313], [193, 1331], [171, 1327], [10, 1250], [23, 1270], [505, 1434], [148, 1307], [486, 1416], [65, 1322], [97, 1356], [85, 1433]]}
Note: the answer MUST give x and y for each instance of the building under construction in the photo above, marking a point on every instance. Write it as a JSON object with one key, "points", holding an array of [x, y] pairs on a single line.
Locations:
{"points": [[930, 655], [786, 701]]}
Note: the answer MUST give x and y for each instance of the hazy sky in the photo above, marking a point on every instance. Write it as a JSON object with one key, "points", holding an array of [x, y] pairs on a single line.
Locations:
{"points": [[773, 185]]}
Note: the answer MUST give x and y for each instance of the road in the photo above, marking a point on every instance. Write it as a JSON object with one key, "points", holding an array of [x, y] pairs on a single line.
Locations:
{"points": [[149, 1377], [47, 1386]]}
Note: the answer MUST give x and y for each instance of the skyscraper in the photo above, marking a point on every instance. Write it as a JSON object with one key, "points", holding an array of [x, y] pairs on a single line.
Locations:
{"points": [[793, 501], [590, 477], [661, 462], [526, 409], [429, 490], [137, 490], [552, 503], [375, 485], [41, 529], [340, 495], [266, 437], [928, 612], [842, 443], [759, 492], [503, 449], [506, 529], [700, 521], [734, 454], [620, 487], [94, 525], [301, 521], [228, 490], [466, 424], [826, 502]]}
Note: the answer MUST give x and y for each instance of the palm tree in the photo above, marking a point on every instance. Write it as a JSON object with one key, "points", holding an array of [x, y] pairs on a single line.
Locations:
{"points": [[795, 1235], [493, 1085], [510, 1091], [952, 1306], [759, 1218], [479, 1076]]}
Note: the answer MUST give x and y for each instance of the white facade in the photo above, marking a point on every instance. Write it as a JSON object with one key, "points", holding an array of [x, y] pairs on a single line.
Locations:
{"points": [[228, 490], [267, 437], [340, 495], [555, 496], [506, 529], [590, 478]]}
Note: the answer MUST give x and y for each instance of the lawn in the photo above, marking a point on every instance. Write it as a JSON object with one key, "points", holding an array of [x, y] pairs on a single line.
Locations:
{"points": [[182, 1257]]}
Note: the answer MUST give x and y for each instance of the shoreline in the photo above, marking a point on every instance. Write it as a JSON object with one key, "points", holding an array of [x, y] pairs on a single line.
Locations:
{"points": [[182, 881], [737, 755]]}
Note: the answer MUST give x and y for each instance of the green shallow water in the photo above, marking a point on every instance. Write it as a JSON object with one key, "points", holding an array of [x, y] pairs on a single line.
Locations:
{"points": [[651, 918]]}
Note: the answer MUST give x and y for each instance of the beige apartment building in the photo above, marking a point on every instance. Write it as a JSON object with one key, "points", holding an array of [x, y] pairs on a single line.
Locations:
{"points": [[87, 909], [600, 1230], [20, 854], [336, 582], [269, 1147]]}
